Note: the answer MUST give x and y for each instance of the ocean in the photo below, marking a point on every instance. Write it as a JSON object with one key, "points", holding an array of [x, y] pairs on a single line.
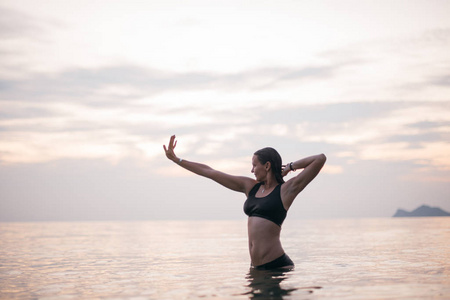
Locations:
{"points": [[391, 258]]}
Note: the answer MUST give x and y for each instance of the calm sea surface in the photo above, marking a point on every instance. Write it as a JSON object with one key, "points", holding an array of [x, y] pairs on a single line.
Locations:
{"points": [[335, 259]]}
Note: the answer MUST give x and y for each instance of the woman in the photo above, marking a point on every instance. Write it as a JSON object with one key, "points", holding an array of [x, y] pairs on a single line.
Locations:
{"points": [[268, 198]]}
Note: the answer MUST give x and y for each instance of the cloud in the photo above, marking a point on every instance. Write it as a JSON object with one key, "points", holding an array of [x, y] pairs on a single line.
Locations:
{"points": [[441, 80], [18, 25], [17, 110], [332, 169], [414, 132], [440, 36], [361, 130], [112, 85], [64, 130], [280, 76], [26, 39], [430, 160]]}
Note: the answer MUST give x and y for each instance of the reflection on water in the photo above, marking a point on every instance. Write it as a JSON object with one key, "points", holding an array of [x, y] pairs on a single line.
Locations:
{"points": [[267, 284]]}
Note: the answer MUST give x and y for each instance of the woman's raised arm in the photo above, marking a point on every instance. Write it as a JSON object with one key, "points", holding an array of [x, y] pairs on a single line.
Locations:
{"points": [[311, 167], [235, 183]]}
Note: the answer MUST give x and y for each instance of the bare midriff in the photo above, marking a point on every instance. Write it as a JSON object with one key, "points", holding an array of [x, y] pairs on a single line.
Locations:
{"points": [[263, 240]]}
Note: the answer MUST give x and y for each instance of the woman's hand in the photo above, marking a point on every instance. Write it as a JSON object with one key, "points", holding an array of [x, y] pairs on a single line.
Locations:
{"points": [[285, 169], [169, 152]]}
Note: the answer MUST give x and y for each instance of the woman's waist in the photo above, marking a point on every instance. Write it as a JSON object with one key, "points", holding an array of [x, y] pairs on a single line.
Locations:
{"points": [[264, 248], [263, 252]]}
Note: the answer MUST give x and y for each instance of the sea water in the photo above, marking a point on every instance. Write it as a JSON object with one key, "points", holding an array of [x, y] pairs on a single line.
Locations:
{"points": [[398, 258]]}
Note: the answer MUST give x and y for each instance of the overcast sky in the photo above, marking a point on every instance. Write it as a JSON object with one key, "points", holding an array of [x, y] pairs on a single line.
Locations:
{"points": [[91, 90]]}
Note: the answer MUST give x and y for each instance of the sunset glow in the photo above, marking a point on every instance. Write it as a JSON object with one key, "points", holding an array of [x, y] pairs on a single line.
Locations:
{"points": [[367, 83]]}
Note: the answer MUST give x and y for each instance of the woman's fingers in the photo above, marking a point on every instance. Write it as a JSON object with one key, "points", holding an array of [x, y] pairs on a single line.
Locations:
{"points": [[169, 150], [284, 170], [171, 144]]}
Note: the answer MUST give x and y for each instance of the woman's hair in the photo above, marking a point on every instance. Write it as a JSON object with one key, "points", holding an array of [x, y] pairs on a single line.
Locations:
{"points": [[271, 155]]}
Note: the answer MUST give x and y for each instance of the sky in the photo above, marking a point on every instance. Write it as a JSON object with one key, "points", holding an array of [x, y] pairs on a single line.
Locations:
{"points": [[91, 90]]}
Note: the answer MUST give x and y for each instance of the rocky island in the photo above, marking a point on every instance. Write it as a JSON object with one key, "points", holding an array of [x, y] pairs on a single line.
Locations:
{"points": [[422, 211]]}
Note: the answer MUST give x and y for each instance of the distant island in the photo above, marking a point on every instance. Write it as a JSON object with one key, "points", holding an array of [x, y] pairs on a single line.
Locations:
{"points": [[422, 211]]}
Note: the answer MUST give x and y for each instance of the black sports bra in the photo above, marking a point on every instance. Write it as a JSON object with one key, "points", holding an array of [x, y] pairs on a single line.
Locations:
{"points": [[269, 207]]}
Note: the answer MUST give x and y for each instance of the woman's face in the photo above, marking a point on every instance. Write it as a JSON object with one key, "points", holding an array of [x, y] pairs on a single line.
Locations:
{"points": [[258, 169]]}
